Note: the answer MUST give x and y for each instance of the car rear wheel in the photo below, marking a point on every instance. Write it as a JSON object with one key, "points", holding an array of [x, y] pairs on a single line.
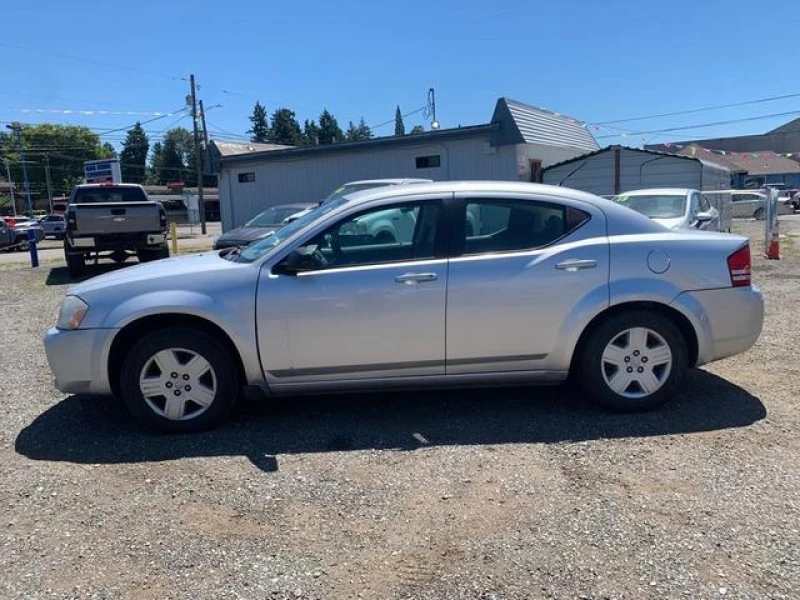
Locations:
{"points": [[76, 264], [22, 244], [632, 361], [759, 214], [179, 380]]}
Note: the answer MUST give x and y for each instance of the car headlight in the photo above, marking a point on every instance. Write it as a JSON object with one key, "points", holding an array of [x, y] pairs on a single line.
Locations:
{"points": [[71, 313]]}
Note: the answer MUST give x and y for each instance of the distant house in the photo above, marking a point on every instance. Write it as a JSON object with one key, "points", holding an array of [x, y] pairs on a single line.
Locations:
{"points": [[518, 142], [751, 169]]}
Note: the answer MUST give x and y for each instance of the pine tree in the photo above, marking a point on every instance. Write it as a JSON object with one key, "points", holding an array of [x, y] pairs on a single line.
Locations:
{"points": [[260, 131], [310, 133], [357, 133], [417, 129], [329, 130], [133, 158], [399, 127], [285, 128]]}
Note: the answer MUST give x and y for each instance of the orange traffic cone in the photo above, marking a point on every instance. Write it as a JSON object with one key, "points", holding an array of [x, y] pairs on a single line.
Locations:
{"points": [[774, 249]]}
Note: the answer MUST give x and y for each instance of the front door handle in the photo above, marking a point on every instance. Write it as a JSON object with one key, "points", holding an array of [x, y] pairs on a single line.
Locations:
{"points": [[415, 278], [576, 264]]}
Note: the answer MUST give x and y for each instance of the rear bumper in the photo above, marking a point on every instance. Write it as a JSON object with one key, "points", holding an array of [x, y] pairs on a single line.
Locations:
{"points": [[118, 241], [78, 359], [728, 321]]}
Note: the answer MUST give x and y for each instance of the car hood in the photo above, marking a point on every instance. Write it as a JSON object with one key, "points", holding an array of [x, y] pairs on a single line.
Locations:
{"points": [[167, 273], [246, 234], [677, 223]]}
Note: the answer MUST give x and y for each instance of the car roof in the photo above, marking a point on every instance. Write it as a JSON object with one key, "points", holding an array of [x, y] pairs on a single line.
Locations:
{"points": [[659, 191], [377, 182]]}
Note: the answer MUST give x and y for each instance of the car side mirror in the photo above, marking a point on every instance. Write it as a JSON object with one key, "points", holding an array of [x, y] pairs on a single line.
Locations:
{"points": [[703, 217], [297, 261]]}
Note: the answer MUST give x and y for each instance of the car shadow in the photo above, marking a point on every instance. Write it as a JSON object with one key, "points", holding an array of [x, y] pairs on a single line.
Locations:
{"points": [[60, 275], [96, 430]]}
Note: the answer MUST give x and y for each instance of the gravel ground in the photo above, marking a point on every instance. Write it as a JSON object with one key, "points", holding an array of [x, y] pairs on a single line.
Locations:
{"points": [[513, 493]]}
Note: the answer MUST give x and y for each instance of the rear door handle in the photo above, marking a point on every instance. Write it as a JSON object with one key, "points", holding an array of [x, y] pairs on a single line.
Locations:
{"points": [[415, 278], [576, 264]]}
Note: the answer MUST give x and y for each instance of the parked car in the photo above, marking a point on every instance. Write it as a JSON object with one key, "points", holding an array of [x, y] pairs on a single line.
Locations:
{"points": [[116, 220], [15, 233], [558, 282], [749, 204], [674, 208], [53, 226], [261, 225]]}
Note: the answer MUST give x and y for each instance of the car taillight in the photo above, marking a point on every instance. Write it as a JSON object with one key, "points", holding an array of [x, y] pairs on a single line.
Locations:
{"points": [[162, 213], [739, 266], [71, 224]]}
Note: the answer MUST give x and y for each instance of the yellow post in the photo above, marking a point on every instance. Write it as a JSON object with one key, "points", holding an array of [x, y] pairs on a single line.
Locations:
{"points": [[173, 234]]}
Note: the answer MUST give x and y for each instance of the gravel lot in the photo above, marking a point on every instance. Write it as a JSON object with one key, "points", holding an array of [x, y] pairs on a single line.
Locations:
{"points": [[512, 493]]}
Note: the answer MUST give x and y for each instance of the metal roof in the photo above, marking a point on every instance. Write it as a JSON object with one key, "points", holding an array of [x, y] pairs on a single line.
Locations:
{"points": [[536, 125], [366, 145], [764, 162], [643, 151]]}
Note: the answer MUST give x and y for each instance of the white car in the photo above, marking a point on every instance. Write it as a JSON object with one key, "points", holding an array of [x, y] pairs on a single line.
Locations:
{"points": [[674, 208]]}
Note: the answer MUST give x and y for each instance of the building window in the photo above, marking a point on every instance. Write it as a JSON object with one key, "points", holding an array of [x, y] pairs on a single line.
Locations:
{"points": [[429, 162], [248, 177]]}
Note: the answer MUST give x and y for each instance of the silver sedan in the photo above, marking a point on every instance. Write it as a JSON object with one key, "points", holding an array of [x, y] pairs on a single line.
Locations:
{"points": [[544, 283]]}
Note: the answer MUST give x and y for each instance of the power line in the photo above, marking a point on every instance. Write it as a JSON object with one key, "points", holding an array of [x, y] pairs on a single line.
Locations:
{"points": [[92, 61], [698, 110], [701, 125]]}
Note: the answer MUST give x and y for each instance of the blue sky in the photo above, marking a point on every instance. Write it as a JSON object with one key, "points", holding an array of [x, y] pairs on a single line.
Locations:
{"points": [[596, 60]]}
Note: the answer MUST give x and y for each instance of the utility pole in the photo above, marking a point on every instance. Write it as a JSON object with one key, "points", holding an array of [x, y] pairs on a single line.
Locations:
{"points": [[47, 177], [11, 188], [198, 159]]}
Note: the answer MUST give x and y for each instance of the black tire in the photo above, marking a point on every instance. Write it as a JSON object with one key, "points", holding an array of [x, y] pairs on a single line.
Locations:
{"points": [[760, 214], [592, 373], [76, 265], [147, 255], [22, 244], [225, 377]]}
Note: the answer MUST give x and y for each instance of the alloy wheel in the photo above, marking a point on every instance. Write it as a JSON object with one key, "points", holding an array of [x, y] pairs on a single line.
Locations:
{"points": [[178, 384], [636, 363]]}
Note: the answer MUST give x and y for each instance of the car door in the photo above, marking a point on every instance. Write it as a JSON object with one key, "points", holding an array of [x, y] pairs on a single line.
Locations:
{"points": [[372, 306], [6, 235], [529, 271]]}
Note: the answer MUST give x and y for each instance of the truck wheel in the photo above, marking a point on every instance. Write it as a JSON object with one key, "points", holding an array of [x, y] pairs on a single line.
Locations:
{"points": [[179, 380], [76, 265], [632, 361]]}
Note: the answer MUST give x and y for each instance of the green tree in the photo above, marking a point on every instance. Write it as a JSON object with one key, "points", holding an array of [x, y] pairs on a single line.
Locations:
{"points": [[329, 130], [108, 150], [310, 133], [285, 128], [260, 131], [133, 158], [177, 157], [64, 147], [358, 133], [156, 162], [417, 129], [399, 126]]}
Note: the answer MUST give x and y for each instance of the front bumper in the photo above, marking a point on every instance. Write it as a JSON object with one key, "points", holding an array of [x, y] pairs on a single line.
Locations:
{"points": [[78, 359]]}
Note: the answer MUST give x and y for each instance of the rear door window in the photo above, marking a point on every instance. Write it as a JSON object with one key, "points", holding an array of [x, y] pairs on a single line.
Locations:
{"points": [[499, 225]]}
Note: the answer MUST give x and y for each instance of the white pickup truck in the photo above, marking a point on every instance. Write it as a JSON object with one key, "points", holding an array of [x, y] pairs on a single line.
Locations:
{"points": [[116, 220]]}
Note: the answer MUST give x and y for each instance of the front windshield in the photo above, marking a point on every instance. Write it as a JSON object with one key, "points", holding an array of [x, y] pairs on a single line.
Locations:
{"points": [[262, 247], [655, 206], [272, 217]]}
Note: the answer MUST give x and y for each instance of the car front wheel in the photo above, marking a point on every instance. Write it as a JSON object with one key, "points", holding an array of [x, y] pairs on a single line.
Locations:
{"points": [[633, 361], [179, 380]]}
